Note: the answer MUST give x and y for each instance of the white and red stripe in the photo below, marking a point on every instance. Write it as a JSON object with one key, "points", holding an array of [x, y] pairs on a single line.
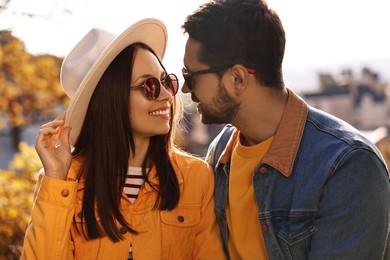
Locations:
{"points": [[134, 182]]}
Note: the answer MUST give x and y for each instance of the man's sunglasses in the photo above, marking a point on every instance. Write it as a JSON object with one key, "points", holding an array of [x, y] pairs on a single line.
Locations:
{"points": [[152, 86], [189, 75]]}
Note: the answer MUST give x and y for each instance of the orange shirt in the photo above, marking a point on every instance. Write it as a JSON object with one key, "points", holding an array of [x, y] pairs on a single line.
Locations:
{"points": [[245, 236]]}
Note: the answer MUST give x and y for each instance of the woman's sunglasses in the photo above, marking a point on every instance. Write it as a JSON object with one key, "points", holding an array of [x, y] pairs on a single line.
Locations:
{"points": [[152, 86]]}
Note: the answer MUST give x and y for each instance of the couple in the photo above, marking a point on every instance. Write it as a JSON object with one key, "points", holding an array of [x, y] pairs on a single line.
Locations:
{"points": [[289, 181]]}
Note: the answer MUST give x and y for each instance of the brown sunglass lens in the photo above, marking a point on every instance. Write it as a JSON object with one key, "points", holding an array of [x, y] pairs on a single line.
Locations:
{"points": [[171, 84], [152, 88]]}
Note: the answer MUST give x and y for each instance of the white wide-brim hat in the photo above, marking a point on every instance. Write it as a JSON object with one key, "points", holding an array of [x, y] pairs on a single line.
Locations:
{"points": [[83, 67]]}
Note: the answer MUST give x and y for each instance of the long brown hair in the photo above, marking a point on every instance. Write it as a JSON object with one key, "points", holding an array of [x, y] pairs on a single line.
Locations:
{"points": [[105, 143]]}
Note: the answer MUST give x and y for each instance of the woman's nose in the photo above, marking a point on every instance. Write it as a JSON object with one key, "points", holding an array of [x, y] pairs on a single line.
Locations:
{"points": [[165, 93]]}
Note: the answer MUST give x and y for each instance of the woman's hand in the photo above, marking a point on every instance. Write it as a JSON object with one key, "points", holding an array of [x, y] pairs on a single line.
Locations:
{"points": [[56, 157]]}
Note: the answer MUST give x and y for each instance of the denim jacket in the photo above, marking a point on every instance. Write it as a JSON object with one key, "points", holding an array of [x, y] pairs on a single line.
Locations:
{"points": [[322, 189]]}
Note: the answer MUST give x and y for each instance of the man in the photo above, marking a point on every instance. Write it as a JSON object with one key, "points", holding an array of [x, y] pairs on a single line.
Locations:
{"points": [[292, 182]]}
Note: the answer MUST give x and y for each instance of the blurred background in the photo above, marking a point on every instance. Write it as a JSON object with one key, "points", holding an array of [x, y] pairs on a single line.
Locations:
{"points": [[337, 58]]}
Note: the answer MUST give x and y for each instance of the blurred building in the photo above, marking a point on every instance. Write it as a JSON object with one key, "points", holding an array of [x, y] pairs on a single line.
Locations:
{"points": [[362, 102]]}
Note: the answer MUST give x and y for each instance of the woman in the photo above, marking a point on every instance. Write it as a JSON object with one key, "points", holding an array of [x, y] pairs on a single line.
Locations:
{"points": [[124, 192]]}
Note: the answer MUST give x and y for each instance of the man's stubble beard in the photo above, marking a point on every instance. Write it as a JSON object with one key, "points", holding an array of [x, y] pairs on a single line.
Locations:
{"points": [[223, 109]]}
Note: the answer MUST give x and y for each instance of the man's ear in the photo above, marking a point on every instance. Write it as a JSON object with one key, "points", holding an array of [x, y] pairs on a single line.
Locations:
{"points": [[240, 79]]}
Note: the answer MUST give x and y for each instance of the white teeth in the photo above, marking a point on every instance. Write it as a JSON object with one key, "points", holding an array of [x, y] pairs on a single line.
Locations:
{"points": [[160, 112]]}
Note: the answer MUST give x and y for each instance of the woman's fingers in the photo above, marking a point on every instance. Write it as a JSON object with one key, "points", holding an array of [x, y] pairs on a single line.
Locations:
{"points": [[56, 159], [49, 133], [53, 124], [45, 137], [61, 116], [64, 136]]}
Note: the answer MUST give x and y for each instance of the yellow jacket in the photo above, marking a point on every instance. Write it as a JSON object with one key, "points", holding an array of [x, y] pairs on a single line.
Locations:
{"points": [[189, 231]]}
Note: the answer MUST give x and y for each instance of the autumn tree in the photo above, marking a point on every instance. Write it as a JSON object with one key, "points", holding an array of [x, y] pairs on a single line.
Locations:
{"points": [[30, 90]]}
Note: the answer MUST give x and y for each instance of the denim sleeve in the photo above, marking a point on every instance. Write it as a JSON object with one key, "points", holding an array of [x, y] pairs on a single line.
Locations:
{"points": [[353, 220]]}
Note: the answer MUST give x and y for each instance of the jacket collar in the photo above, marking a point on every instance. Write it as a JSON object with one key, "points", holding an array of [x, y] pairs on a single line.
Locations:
{"points": [[283, 150]]}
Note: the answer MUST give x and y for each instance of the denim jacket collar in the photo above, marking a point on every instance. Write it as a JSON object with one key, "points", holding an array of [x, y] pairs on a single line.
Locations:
{"points": [[281, 155]]}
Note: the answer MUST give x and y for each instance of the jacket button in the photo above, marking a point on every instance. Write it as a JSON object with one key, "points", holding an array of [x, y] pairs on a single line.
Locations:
{"points": [[262, 169], [123, 230], [180, 219], [65, 193], [265, 228], [79, 215]]}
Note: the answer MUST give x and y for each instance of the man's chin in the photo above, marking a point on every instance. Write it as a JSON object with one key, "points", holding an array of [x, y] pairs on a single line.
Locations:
{"points": [[206, 120]]}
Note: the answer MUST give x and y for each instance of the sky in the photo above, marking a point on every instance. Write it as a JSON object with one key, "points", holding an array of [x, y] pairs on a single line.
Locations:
{"points": [[322, 35]]}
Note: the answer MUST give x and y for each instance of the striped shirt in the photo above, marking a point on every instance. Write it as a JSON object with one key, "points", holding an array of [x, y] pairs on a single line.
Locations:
{"points": [[134, 182]]}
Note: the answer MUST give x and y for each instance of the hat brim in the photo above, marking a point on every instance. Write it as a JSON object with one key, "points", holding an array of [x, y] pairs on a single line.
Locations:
{"points": [[151, 32]]}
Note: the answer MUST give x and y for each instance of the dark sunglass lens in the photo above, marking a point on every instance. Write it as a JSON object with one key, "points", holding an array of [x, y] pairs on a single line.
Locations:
{"points": [[188, 81], [152, 87], [171, 84], [187, 77]]}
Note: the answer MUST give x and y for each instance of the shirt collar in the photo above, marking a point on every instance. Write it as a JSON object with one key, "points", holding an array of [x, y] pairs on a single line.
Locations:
{"points": [[283, 150]]}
